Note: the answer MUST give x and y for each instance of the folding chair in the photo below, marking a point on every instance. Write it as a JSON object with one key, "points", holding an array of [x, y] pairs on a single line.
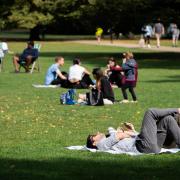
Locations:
{"points": [[38, 47]]}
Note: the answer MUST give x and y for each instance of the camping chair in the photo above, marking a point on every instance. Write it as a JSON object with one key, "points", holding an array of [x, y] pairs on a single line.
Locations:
{"points": [[38, 47], [1, 57]]}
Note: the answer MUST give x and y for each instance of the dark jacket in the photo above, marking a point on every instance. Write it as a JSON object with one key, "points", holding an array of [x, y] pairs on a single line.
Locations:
{"points": [[130, 70], [106, 89], [29, 52]]}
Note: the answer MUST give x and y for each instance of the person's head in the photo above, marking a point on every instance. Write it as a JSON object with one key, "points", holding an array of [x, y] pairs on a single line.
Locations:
{"points": [[59, 60], [77, 61], [112, 62], [30, 44], [97, 73], [158, 20], [128, 55], [93, 140]]}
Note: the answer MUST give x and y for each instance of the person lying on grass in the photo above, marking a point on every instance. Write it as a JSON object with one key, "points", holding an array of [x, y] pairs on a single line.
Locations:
{"points": [[160, 128]]}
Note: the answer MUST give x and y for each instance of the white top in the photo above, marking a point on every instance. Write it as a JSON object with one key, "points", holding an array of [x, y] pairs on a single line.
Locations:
{"points": [[76, 72], [4, 46]]}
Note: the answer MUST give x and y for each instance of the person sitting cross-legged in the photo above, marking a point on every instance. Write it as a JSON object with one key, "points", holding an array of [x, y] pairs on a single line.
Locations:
{"points": [[29, 55], [79, 77], [160, 127], [54, 76]]}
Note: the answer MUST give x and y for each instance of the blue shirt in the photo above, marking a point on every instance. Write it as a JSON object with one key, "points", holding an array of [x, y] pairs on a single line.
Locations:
{"points": [[29, 52], [51, 74]]}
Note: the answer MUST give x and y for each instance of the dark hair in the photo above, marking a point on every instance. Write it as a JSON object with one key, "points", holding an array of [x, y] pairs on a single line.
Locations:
{"points": [[113, 60], [98, 73], [76, 61], [30, 43], [89, 143]]}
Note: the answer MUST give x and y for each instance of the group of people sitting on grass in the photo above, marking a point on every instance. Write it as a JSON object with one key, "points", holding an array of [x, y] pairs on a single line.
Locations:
{"points": [[78, 77]]}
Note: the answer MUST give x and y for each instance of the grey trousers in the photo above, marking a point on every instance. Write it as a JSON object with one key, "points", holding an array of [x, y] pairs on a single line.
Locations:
{"points": [[158, 125]]}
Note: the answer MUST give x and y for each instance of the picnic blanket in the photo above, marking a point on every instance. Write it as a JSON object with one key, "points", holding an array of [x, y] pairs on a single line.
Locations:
{"points": [[45, 86], [84, 148]]}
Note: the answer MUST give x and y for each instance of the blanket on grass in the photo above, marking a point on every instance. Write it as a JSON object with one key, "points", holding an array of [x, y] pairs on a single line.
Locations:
{"points": [[45, 86], [84, 148]]}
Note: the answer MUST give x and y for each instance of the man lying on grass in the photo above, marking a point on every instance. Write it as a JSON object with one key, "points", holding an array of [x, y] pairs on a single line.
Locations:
{"points": [[160, 127]]}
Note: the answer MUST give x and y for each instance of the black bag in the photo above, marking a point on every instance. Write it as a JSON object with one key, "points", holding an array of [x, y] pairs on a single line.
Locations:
{"points": [[94, 98]]}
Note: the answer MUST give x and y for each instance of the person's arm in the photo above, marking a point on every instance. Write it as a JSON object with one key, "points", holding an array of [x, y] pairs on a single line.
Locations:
{"points": [[160, 113], [86, 72], [116, 68], [60, 74], [107, 143], [163, 30], [35, 54]]}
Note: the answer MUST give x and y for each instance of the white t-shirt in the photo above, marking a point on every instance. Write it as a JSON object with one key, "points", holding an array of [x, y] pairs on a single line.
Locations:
{"points": [[76, 72]]}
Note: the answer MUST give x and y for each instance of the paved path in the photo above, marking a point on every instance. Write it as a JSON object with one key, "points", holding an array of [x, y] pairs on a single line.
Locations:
{"points": [[128, 45]]}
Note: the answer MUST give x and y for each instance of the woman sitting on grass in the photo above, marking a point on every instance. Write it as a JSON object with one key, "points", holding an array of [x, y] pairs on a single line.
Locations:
{"points": [[103, 86], [113, 72], [79, 77], [129, 68]]}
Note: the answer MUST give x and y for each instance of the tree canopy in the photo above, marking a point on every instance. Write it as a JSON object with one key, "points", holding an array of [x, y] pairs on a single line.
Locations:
{"points": [[83, 16]]}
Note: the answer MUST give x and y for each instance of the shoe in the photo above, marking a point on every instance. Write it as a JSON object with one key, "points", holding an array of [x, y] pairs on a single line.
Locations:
{"points": [[124, 101], [134, 101], [16, 71], [149, 46]]}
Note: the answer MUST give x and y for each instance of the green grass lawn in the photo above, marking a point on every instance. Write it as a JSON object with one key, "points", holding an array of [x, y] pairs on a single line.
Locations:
{"points": [[35, 128]]}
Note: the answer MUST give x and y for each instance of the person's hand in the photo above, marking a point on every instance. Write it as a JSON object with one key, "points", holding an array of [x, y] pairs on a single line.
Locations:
{"points": [[129, 126], [178, 110], [121, 135], [29, 57]]}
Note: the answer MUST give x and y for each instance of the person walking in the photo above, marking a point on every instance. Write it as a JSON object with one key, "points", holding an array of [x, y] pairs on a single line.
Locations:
{"points": [[158, 31]]}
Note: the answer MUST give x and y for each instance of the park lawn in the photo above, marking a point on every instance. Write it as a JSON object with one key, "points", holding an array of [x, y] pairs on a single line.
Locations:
{"points": [[35, 128]]}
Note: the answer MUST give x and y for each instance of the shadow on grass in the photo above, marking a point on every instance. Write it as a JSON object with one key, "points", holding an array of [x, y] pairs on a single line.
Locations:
{"points": [[156, 60], [69, 168], [170, 79]]}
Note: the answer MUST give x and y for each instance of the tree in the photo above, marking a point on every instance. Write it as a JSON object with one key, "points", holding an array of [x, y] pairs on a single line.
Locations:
{"points": [[32, 14]]}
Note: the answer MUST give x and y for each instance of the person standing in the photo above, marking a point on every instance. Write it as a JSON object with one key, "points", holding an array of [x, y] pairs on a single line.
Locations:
{"points": [[158, 31], [99, 32], [175, 34], [129, 68], [147, 34]]}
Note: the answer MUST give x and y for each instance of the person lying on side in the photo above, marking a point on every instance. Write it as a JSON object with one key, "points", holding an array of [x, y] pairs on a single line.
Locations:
{"points": [[113, 72], [160, 127], [79, 77], [54, 76]]}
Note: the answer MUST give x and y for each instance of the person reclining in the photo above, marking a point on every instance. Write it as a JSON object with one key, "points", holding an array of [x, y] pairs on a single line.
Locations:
{"points": [[79, 77], [54, 76], [160, 127], [29, 55]]}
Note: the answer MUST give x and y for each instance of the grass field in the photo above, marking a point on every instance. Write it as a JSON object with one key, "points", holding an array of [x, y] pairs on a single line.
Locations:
{"points": [[35, 128]]}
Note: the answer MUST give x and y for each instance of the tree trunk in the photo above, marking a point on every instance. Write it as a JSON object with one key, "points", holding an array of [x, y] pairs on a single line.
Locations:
{"points": [[35, 34]]}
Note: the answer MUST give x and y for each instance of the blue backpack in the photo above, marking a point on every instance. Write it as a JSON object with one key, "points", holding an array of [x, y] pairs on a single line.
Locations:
{"points": [[68, 97]]}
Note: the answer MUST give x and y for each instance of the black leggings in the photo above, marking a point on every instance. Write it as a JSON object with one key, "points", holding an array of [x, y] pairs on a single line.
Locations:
{"points": [[147, 39], [131, 90]]}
